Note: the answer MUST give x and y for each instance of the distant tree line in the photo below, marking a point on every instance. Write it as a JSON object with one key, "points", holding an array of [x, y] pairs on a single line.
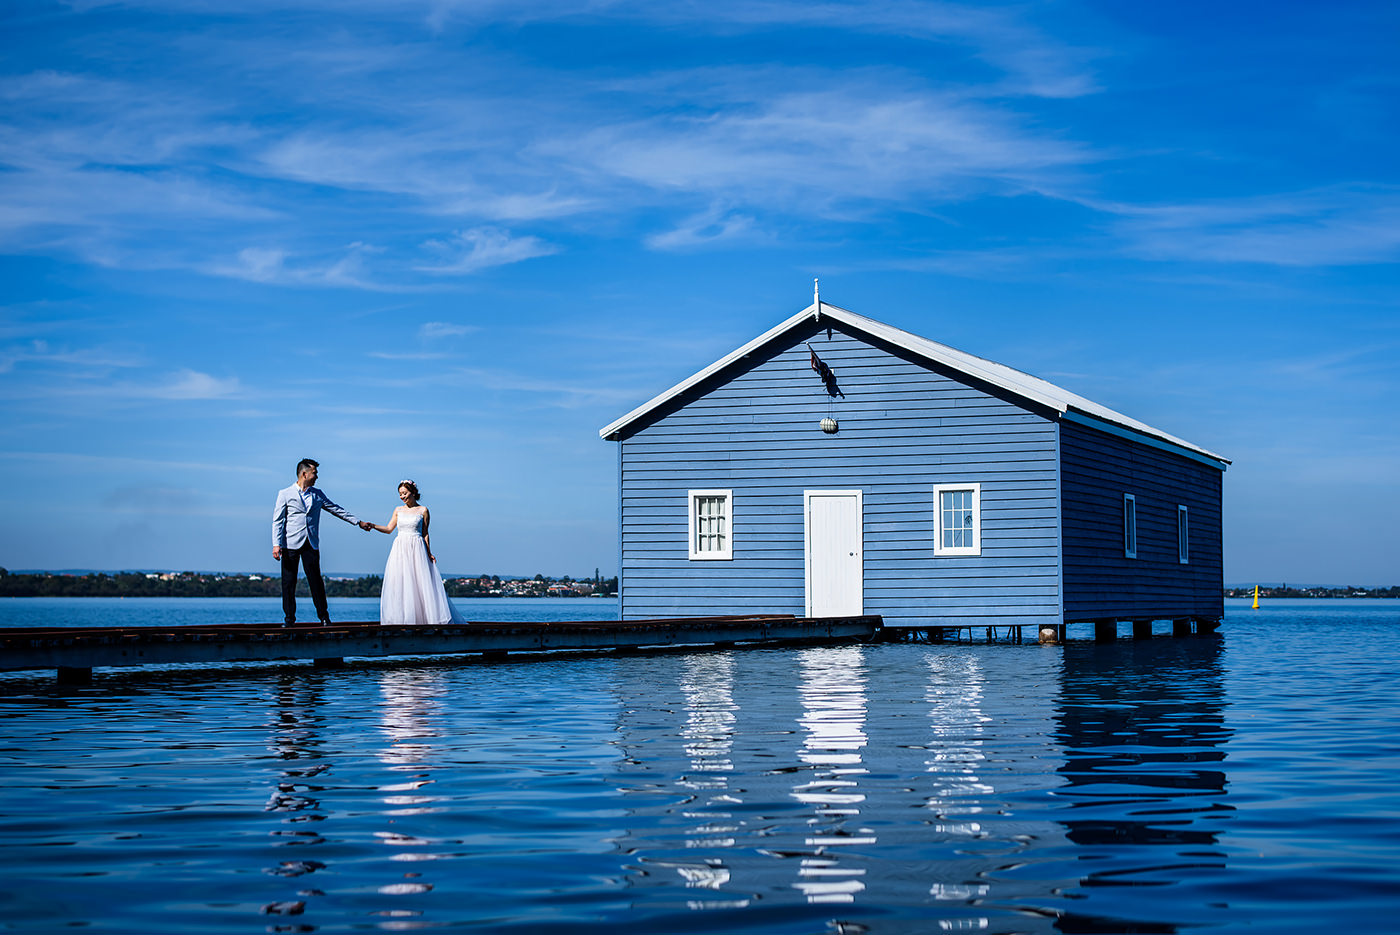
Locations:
{"points": [[1284, 591], [195, 584]]}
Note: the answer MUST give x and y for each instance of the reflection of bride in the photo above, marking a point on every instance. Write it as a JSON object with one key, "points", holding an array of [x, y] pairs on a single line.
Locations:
{"points": [[410, 718], [413, 590]]}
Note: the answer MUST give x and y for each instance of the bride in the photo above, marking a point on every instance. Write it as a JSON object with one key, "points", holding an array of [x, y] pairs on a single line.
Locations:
{"points": [[412, 591]]}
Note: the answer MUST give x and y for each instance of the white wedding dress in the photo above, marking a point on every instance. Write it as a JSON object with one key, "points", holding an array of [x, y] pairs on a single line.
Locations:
{"points": [[413, 591]]}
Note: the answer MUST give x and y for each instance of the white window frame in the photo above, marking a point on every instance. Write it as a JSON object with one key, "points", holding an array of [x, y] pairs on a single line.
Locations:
{"points": [[692, 504], [1130, 541], [938, 547], [1183, 535]]}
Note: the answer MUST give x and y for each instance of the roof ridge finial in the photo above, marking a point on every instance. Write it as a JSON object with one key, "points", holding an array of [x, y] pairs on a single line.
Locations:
{"points": [[816, 298]]}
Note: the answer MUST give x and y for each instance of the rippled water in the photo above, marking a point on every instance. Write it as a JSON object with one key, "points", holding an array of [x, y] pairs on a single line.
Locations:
{"points": [[1244, 782]]}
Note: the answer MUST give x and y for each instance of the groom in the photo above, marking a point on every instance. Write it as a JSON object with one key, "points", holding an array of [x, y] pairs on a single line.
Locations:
{"points": [[296, 538]]}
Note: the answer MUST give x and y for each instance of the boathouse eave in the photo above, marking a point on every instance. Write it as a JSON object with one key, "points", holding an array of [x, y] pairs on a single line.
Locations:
{"points": [[1022, 385], [1159, 440]]}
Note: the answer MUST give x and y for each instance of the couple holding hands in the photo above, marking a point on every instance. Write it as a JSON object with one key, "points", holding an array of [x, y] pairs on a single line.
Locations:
{"points": [[412, 591]]}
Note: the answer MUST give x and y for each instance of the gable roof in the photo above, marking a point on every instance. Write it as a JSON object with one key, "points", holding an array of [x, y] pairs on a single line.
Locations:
{"points": [[1032, 389]]}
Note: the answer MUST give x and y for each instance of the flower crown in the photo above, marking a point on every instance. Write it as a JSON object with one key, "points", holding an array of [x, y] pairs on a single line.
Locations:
{"points": [[408, 482]]}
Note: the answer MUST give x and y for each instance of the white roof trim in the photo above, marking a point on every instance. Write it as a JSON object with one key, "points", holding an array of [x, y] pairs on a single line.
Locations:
{"points": [[1014, 381], [612, 427]]}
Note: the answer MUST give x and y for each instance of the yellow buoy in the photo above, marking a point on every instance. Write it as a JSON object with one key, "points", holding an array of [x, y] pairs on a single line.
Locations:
{"points": [[1256, 597]]}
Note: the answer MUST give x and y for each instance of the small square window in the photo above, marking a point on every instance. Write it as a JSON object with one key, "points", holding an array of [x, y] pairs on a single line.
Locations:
{"points": [[711, 525], [958, 519], [1183, 538], [1129, 525]]}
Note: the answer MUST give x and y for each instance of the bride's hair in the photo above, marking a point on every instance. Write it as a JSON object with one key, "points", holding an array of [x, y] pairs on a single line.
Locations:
{"points": [[412, 488]]}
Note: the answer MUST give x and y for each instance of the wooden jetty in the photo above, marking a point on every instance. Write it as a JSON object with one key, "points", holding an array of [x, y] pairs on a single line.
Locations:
{"points": [[73, 652]]}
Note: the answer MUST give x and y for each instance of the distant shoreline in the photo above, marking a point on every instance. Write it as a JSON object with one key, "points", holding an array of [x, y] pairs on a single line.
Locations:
{"points": [[218, 584], [1330, 593], [199, 584]]}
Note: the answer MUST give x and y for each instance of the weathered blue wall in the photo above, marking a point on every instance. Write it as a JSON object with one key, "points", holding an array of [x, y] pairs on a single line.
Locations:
{"points": [[1100, 582], [904, 428]]}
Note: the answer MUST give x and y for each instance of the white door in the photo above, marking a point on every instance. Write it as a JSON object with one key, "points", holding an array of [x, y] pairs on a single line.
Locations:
{"points": [[835, 564]]}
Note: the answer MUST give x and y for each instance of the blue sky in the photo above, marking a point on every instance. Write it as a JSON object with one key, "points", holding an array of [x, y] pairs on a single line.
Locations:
{"points": [[451, 240]]}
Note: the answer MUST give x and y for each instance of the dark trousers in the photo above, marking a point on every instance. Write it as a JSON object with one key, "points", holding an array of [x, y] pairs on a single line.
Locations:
{"points": [[310, 560]]}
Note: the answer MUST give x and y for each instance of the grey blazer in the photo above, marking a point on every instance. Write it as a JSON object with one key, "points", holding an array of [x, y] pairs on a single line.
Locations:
{"points": [[294, 525]]}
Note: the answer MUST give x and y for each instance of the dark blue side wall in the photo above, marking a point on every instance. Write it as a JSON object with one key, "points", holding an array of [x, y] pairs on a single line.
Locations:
{"points": [[903, 429], [1099, 581]]}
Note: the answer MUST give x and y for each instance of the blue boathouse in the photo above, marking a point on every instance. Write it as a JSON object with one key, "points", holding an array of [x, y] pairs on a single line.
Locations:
{"points": [[836, 465]]}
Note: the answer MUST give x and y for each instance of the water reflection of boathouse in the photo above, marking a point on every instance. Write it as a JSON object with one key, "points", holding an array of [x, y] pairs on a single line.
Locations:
{"points": [[847, 785], [862, 782], [1143, 729]]}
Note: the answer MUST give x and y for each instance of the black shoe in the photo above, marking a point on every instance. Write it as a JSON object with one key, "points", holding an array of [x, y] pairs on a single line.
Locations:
{"points": [[286, 625], [325, 621]]}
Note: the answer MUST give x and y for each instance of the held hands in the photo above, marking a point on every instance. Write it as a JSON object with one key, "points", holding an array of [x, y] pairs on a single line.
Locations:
{"points": [[366, 525]]}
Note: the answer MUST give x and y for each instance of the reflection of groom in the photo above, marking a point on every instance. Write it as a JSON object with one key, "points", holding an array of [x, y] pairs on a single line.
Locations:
{"points": [[296, 538]]}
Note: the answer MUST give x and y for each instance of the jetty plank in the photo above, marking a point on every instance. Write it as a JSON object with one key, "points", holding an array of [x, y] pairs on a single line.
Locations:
{"points": [[73, 650]]}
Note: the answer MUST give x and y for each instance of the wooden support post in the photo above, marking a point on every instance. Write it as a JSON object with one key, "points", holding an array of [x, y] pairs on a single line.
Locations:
{"points": [[1142, 629], [1050, 634], [1181, 626], [1207, 625], [1105, 631], [991, 634], [74, 675]]}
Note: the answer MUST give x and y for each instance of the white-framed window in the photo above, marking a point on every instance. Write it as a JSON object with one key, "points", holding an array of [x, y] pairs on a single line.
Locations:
{"points": [[958, 519], [711, 525], [1183, 537], [1129, 525]]}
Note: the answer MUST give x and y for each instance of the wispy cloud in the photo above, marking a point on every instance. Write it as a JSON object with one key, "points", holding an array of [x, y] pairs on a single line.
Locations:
{"points": [[436, 330], [1035, 62], [710, 228], [163, 174], [280, 267], [99, 463], [107, 214], [409, 355], [562, 393], [1005, 38], [98, 166], [1326, 227], [368, 411], [481, 248], [872, 139], [184, 384], [440, 166], [191, 384], [100, 360], [994, 262], [1373, 365]]}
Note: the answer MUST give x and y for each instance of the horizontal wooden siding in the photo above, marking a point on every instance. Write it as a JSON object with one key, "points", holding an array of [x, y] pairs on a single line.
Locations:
{"points": [[1100, 581], [903, 429]]}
